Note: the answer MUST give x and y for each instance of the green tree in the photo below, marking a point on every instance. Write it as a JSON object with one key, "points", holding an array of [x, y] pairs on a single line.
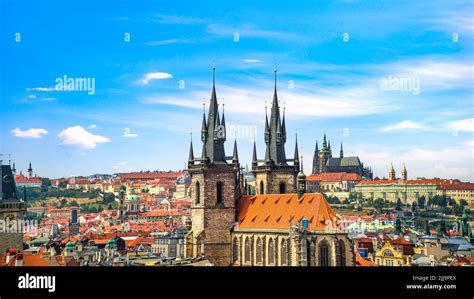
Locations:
{"points": [[421, 202], [399, 205]]}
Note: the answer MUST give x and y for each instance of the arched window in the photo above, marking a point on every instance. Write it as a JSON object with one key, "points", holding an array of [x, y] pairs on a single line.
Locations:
{"points": [[282, 188], [259, 251], [235, 250], [324, 254], [271, 252], [220, 191], [262, 191], [198, 193], [247, 250], [284, 253], [312, 254], [340, 253]]}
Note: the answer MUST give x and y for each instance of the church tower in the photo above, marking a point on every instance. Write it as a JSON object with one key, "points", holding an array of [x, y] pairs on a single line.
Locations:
{"points": [[324, 154], [391, 173], [12, 211], [215, 190], [404, 172], [30, 171], [316, 166], [273, 174]]}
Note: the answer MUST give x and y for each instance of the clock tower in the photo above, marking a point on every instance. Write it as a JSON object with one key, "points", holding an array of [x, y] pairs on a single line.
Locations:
{"points": [[12, 212]]}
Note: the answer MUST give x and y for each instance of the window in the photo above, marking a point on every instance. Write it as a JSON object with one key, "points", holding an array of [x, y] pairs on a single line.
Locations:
{"points": [[284, 253], [324, 254], [312, 254], [220, 197], [340, 255], [282, 188], [262, 191], [247, 250], [198, 193], [235, 250], [259, 251], [271, 252]]}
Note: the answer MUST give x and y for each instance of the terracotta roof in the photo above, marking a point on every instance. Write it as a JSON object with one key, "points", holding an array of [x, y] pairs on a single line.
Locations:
{"points": [[362, 262], [274, 211], [160, 213], [459, 186], [437, 182], [150, 175], [34, 259], [23, 179], [334, 177]]}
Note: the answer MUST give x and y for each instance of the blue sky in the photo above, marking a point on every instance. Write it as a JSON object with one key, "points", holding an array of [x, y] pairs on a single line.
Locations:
{"points": [[332, 58]]}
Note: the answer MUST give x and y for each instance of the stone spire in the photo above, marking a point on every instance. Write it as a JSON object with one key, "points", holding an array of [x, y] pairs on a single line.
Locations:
{"points": [[341, 152], [254, 155], [191, 152], [301, 181], [213, 133], [274, 133], [404, 172], [30, 171], [325, 144], [391, 173], [316, 159], [296, 157], [235, 155]]}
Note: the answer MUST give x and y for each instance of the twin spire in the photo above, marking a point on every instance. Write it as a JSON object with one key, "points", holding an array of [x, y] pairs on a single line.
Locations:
{"points": [[213, 132]]}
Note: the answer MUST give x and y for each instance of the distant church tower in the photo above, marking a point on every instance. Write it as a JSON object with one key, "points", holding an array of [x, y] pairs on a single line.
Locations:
{"points": [[274, 175], [391, 173], [12, 210], [404, 172], [215, 189], [316, 166], [30, 172], [324, 154]]}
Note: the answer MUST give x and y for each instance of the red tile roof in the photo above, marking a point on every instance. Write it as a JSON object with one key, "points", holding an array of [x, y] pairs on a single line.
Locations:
{"points": [[274, 211], [334, 177], [150, 175]]}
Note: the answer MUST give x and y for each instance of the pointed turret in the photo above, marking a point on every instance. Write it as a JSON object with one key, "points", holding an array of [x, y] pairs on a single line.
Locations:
{"points": [[316, 159], [325, 144], [235, 155], [404, 172], [214, 135], [13, 169], [30, 171], [191, 152], [254, 155], [283, 126], [204, 125], [296, 157], [341, 152], [329, 145], [267, 127], [223, 124], [301, 181], [391, 173]]}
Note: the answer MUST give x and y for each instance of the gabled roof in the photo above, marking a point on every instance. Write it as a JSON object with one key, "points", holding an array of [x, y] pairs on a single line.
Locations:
{"points": [[334, 177], [346, 161], [275, 211]]}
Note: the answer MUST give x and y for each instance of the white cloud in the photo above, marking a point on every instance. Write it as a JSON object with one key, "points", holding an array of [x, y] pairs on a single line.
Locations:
{"points": [[300, 102], [247, 30], [49, 99], [172, 19], [34, 133], [466, 125], [79, 137], [92, 126], [154, 76], [168, 42], [41, 89], [251, 60], [128, 134], [405, 125]]}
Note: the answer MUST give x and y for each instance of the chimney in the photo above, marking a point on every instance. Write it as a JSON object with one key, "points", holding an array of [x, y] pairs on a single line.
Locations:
{"points": [[19, 260]]}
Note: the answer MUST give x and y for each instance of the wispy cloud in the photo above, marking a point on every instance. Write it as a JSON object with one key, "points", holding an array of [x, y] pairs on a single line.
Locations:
{"points": [[80, 138], [250, 31], [154, 76], [128, 134], [466, 125], [406, 125], [169, 42], [251, 60], [34, 133], [175, 19], [41, 89]]}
